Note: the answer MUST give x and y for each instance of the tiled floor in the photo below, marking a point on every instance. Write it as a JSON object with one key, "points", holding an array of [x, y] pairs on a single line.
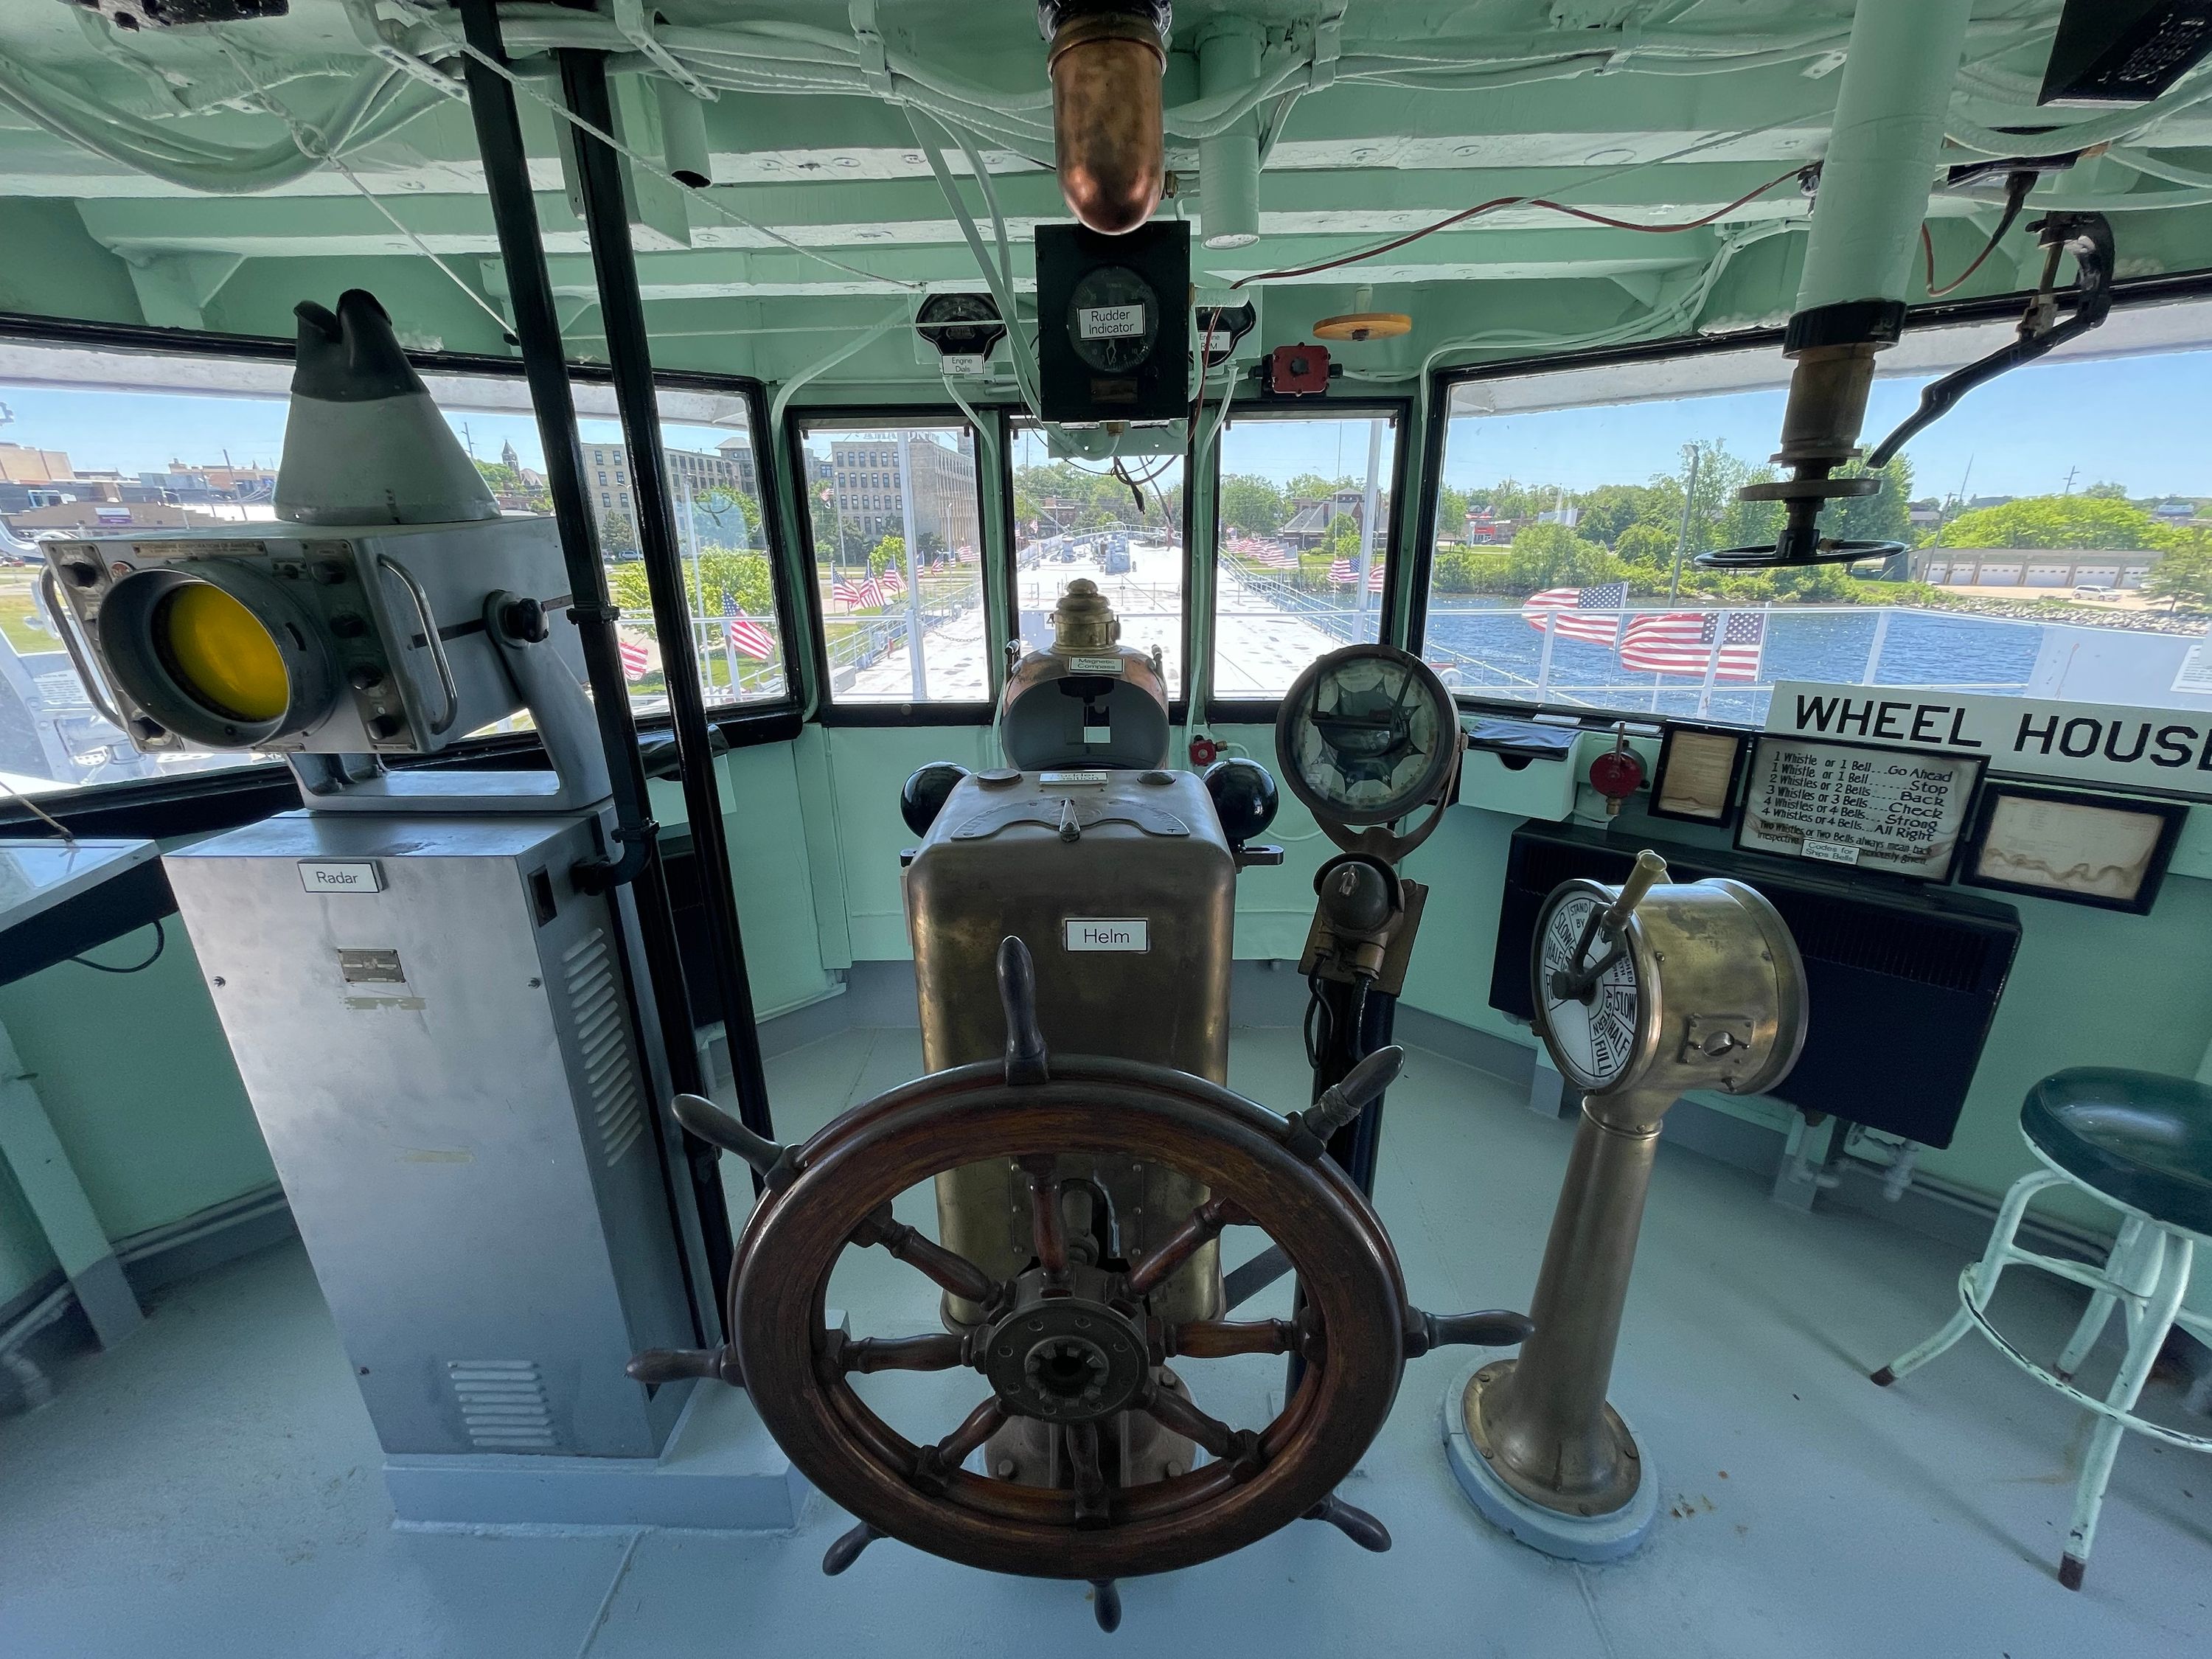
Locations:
{"points": [[211, 1488]]}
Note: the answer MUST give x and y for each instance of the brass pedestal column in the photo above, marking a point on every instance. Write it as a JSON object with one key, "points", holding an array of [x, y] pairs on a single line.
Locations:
{"points": [[1641, 991], [1540, 1424]]}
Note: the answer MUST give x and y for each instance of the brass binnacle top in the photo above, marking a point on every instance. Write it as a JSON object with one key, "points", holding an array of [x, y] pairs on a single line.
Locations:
{"points": [[1083, 620]]}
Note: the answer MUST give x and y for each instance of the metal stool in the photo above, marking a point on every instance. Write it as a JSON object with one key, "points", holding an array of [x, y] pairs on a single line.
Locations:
{"points": [[2142, 1144]]}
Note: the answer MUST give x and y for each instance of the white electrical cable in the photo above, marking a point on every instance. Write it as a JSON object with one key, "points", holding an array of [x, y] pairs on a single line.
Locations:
{"points": [[315, 146], [658, 172]]}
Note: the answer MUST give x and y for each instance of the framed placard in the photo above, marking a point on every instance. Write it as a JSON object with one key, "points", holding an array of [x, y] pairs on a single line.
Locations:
{"points": [[1897, 812], [2110, 851], [1699, 768]]}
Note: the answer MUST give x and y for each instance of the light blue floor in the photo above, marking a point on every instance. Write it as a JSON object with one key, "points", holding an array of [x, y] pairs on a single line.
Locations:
{"points": [[211, 1488]]}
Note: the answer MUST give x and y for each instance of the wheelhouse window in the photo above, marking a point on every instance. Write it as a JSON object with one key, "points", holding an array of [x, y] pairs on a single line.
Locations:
{"points": [[894, 513], [2041, 557], [1118, 522], [1302, 543], [110, 442]]}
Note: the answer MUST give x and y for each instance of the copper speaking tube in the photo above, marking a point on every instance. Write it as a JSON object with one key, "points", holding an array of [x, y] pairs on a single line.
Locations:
{"points": [[1106, 61]]}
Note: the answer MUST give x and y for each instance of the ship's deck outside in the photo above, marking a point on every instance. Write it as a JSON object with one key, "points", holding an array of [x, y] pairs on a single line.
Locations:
{"points": [[212, 1488]]}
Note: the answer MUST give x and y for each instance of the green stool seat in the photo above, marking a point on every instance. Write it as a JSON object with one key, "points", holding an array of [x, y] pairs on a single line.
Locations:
{"points": [[2141, 1139]]}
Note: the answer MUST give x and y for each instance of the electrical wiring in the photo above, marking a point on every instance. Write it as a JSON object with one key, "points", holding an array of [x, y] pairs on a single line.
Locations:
{"points": [[161, 944], [1498, 202], [2017, 184], [314, 145], [645, 165]]}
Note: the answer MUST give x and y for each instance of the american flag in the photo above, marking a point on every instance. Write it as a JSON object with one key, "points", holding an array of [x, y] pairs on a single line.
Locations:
{"points": [[863, 594], [1275, 558], [1682, 642], [1344, 573], [1557, 608], [890, 584], [747, 637], [636, 658], [1340, 573]]}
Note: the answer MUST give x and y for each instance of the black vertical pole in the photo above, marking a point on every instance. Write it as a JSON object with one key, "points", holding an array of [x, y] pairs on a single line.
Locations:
{"points": [[606, 224], [1360, 1019], [538, 335]]}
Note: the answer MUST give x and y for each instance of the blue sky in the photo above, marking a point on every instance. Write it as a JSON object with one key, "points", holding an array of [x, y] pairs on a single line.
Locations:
{"points": [[2139, 420], [2136, 420]]}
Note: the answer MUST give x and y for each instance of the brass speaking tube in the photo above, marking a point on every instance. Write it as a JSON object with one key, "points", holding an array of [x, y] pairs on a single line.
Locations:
{"points": [[1106, 61]]}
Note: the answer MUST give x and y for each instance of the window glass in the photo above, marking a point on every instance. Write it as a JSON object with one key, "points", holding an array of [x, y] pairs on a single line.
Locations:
{"points": [[2048, 556], [729, 574], [1303, 542], [104, 442], [1119, 524], [898, 567]]}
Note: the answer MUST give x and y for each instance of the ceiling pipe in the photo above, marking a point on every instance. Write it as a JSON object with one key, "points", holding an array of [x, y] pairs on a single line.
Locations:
{"points": [[1106, 60], [1228, 162], [1884, 149]]}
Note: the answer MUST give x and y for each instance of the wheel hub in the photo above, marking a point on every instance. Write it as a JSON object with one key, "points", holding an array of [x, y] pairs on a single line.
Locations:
{"points": [[1066, 1359]]}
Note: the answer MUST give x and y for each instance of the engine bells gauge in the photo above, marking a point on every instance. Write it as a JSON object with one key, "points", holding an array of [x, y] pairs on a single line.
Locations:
{"points": [[1366, 737]]}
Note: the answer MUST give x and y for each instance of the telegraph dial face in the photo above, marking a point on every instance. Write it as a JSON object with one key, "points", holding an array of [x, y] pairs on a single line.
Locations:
{"points": [[1594, 1036], [1367, 735]]}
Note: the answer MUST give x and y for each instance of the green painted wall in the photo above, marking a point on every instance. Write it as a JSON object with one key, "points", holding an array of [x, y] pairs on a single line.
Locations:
{"points": [[158, 1128], [137, 1079]]}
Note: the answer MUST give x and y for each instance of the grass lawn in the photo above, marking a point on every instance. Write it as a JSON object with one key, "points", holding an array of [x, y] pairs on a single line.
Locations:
{"points": [[18, 607]]}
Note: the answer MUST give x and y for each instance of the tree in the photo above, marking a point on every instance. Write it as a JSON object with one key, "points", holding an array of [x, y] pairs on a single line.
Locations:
{"points": [[1252, 505], [618, 536], [1451, 514], [1884, 518], [2105, 490], [1342, 541], [1551, 555], [2182, 575], [729, 509], [709, 581], [1312, 487], [889, 554], [2073, 522], [1610, 511]]}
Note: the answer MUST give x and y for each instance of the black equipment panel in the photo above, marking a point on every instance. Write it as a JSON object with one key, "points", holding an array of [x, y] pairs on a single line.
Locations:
{"points": [[1903, 985], [1114, 323]]}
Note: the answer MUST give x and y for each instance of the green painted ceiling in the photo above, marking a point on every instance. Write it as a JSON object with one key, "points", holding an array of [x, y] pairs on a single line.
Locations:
{"points": [[1379, 116]]}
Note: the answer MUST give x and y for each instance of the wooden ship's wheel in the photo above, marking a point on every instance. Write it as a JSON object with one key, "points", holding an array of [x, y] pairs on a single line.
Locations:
{"points": [[1072, 1341]]}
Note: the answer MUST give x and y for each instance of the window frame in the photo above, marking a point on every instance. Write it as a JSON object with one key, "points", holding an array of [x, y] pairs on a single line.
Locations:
{"points": [[827, 710], [1179, 705], [1261, 711], [1442, 382], [192, 802]]}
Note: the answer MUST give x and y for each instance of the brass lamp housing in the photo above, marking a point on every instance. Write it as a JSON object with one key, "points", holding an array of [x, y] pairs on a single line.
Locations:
{"points": [[1106, 61]]}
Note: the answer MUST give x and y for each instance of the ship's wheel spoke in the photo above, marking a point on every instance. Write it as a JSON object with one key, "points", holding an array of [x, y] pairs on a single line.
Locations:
{"points": [[1174, 1413], [1217, 1339], [1200, 1228], [1048, 1223], [935, 1465], [937, 1352], [1089, 1478], [948, 1268]]}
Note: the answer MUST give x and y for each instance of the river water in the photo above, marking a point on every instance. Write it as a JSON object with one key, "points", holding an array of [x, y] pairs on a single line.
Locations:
{"points": [[1490, 646]]}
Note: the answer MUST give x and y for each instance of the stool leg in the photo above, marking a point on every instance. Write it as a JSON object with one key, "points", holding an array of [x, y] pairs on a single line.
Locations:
{"points": [[2102, 1303], [2164, 1264], [1990, 1269]]}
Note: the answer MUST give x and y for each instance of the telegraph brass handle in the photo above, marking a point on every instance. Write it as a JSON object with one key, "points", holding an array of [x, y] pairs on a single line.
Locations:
{"points": [[1650, 870]]}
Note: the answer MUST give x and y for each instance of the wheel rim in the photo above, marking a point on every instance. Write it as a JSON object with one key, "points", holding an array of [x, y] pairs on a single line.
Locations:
{"points": [[1090, 1107]]}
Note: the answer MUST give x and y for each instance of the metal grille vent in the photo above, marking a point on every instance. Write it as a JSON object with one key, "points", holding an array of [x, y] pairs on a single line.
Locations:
{"points": [[503, 1405], [600, 1020]]}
